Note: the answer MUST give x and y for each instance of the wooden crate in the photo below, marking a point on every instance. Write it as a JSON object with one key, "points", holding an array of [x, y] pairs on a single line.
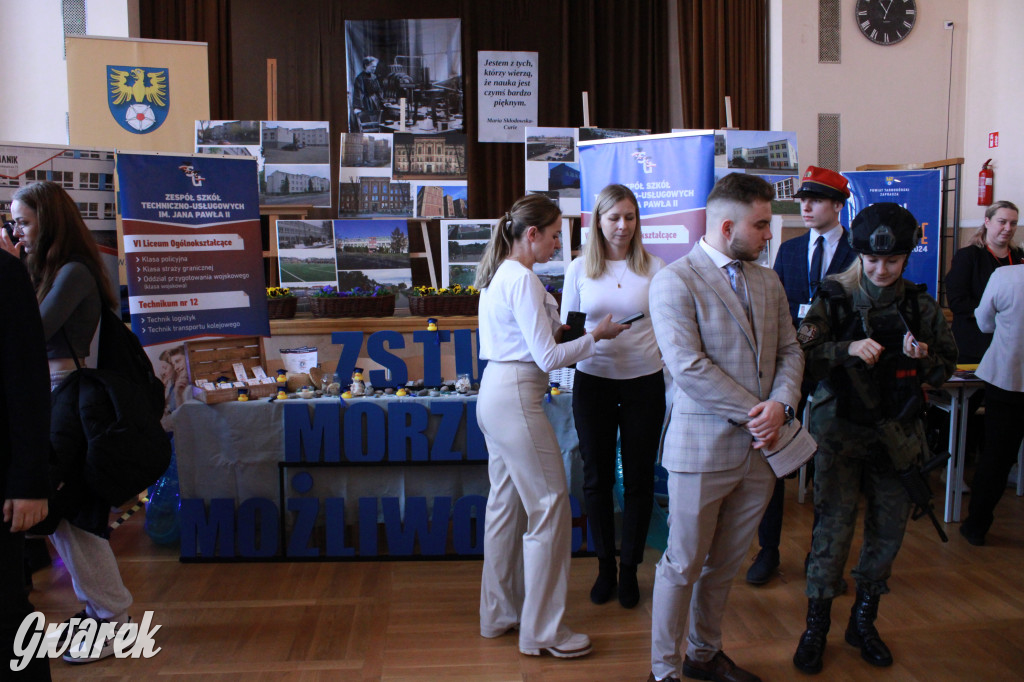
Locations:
{"points": [[217, 357]]}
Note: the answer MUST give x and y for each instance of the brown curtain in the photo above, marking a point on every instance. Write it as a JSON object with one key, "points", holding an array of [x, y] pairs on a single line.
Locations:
{"points": [[723, 50], [204, 21], [614, 49]]}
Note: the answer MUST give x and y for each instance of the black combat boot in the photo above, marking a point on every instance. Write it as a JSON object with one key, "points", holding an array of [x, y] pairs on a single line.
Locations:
{"points": [[861, 631], [812, 643]]}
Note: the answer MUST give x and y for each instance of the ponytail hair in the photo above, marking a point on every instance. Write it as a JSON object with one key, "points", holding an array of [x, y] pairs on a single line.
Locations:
{"points": [[533, 209]]}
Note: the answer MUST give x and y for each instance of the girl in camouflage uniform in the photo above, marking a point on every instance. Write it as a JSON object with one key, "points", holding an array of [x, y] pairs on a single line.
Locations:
{"points": [[871, 338]]}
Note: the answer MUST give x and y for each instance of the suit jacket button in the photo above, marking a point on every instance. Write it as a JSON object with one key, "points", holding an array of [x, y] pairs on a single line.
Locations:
{"points": [[760, 374]]}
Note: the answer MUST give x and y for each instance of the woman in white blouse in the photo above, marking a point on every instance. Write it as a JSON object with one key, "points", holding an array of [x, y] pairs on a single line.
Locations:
{"points": [[528, 528], [620, 390]]}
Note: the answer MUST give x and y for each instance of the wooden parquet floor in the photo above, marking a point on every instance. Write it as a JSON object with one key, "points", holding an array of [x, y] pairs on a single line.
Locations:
{"points": [[956, 612]]}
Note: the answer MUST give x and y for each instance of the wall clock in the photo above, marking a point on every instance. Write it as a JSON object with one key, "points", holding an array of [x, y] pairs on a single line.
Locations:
{"points": [[886, 22]]}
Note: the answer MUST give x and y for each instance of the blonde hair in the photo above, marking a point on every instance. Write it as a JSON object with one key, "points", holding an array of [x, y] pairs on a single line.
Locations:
{"points": [[532, 210], [637, 258], [850, 277], [979, 237]]}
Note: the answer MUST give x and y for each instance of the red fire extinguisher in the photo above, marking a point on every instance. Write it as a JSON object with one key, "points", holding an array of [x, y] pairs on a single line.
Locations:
{"points": [[985, 178]]}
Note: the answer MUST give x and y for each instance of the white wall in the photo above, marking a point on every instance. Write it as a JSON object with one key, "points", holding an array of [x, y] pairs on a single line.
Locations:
{"points": [[892, 100], [995, 97], [35, 102]]}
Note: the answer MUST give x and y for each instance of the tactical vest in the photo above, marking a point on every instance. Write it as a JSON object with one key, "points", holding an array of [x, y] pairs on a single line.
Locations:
{"points": [[891, 388]]}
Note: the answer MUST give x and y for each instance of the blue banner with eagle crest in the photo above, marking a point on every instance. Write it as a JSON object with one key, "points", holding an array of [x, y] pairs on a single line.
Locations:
{"points": [[138, 96]]}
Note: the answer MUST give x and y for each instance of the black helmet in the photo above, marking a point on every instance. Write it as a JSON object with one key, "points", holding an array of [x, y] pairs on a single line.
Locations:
{"points": [[884, 229]]}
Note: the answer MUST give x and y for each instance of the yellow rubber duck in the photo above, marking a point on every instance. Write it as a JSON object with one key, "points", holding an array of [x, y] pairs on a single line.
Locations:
{"points": [[347, 395], [431, 325], [282, 376], [401, 393], [242, 398], [281, 395]]}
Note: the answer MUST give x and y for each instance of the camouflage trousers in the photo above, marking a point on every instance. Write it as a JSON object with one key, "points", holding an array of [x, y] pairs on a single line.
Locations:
{"points": [[838, 483]]}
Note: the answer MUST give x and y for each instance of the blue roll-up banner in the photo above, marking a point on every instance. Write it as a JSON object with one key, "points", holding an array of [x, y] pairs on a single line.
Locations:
{"points": [[920, 192], [671, 176], [192, 246]]}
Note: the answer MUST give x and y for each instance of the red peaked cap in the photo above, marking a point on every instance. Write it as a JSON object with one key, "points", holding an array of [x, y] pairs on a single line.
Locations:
{"points": [[821, 182]]}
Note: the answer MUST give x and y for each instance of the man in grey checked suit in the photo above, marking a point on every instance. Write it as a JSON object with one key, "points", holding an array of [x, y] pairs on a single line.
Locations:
{"points": [[729, 344]]}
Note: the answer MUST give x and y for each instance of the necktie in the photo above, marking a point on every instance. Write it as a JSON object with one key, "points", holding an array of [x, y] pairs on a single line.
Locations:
{"points": [[738, 283], [814, 276]]}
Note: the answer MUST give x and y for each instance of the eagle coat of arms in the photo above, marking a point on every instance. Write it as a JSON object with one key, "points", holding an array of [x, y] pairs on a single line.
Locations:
{"points": [[138, 97]]}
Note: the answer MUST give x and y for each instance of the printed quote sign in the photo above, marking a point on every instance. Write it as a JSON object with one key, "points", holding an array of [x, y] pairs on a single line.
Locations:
{"points": [[507, 99]]}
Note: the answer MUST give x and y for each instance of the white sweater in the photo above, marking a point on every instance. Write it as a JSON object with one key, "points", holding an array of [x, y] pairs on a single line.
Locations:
{"points": [[518, 319], [633, 353]]}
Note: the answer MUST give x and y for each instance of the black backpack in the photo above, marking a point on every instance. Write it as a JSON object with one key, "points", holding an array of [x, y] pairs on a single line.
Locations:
{"points": [[105, 426], [120, 351]]}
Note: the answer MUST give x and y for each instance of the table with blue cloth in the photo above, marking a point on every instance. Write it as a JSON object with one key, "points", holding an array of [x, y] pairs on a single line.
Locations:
{"points": [[230, 455]]}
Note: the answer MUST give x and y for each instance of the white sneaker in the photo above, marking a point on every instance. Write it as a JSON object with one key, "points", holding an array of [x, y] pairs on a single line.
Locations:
{"points": [[92, 649], [54, 639], [574, 646]]}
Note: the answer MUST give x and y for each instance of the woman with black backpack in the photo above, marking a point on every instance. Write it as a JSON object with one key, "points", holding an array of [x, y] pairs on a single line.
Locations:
{"points": [[72, 287]]}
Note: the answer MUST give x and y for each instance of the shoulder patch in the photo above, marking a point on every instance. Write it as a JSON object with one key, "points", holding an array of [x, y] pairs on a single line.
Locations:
{"points": [[806, 333]]}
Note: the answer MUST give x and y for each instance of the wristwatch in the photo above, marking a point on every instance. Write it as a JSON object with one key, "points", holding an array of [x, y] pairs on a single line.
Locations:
{"points": [[789, 411]]}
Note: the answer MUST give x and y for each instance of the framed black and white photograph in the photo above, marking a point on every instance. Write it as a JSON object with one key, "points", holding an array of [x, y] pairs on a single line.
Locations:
{"points": [[415, 61]]}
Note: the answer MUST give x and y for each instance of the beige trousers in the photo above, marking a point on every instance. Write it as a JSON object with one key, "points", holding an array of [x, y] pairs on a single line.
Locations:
{"points": [[712, 520], [528, 526]]}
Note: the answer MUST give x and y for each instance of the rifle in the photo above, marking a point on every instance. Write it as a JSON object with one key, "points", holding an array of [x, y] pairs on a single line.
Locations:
{"points": [[916, 484]]}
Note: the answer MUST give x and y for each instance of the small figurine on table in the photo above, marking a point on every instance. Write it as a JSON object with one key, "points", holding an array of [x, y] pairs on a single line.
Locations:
{"points": [[553, 389], [358, 387]]}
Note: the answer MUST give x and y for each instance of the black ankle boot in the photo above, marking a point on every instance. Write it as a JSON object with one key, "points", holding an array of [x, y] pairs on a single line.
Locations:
{"points": [[861, 631], [629, 589], [604, 586], [812, 643]]}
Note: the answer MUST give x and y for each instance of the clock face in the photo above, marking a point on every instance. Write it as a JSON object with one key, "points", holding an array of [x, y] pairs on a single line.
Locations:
{"points": [[886, 22]]}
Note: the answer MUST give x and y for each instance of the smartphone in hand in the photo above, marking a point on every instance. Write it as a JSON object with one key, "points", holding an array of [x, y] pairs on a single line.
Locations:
{"points": [[630, 318], [576, 329]]}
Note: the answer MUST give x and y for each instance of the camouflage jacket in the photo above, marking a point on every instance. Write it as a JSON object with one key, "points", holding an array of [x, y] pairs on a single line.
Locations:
{"points": [[861, 402]]}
